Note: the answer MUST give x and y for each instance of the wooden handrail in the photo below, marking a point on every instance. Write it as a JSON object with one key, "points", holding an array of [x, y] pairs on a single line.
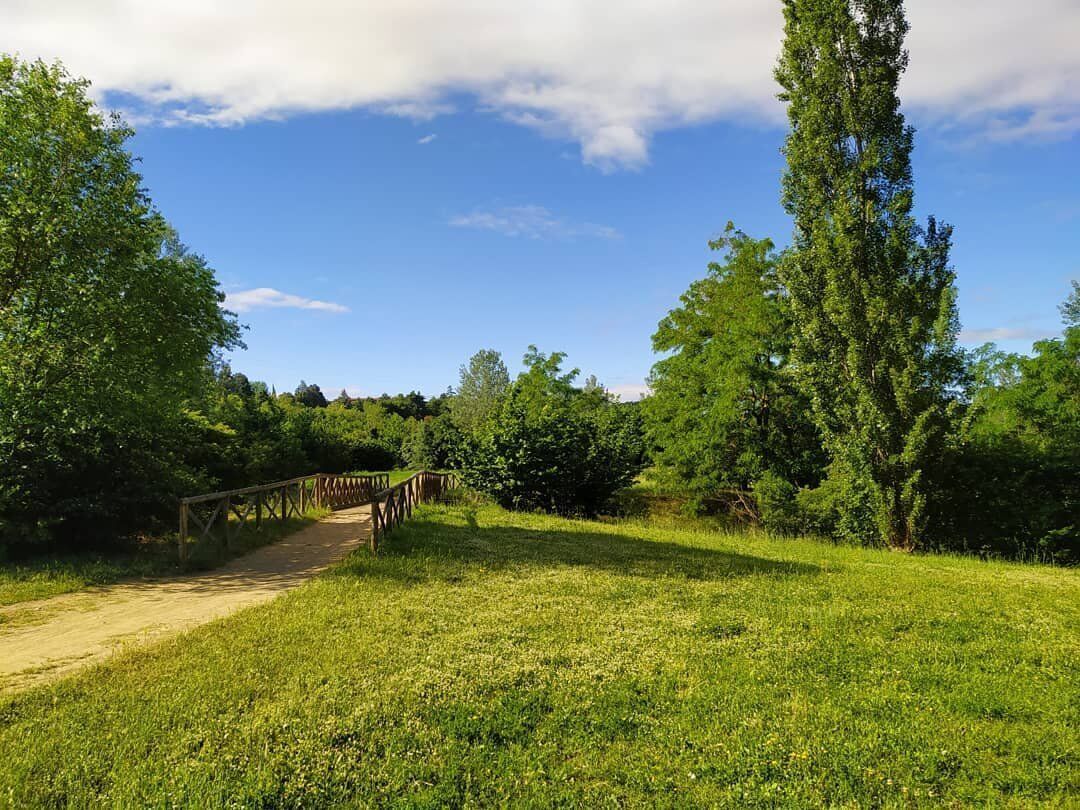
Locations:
{"points": [[212, 496], [393, 505], [279, 499]]}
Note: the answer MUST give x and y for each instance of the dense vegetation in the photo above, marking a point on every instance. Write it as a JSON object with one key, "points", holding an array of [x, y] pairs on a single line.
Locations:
{"points": [[826, 378], [544, 444], [726, 408], [113, 396], [488, 657], [106, 321]]}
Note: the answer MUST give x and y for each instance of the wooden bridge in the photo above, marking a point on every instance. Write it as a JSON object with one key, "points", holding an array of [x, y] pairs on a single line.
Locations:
{"points": [[224, 515]]}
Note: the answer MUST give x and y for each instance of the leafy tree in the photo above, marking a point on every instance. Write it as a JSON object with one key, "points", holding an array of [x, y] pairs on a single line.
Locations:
{"points": [[551, 446], [482, 384], [310, 396], [106, 321], [725, 407], [1070, 310], [592, 384], [246, 435], [435, 444], [872, 294], [1011, 480], [412, 405]]}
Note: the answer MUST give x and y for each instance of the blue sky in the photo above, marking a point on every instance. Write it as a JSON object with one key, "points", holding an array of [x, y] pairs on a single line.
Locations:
{"points": [[515, 187]]}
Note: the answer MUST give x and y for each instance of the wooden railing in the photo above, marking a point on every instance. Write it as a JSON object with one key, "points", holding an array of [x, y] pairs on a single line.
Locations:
{"points": [[236, 510], [393, 505]]}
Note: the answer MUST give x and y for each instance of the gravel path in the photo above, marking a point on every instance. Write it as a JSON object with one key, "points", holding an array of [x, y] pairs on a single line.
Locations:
{"points": [[55, 636]]}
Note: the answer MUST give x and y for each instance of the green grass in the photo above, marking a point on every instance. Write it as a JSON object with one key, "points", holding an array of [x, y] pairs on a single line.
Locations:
{"points": [[491, 658], [56, 574]]}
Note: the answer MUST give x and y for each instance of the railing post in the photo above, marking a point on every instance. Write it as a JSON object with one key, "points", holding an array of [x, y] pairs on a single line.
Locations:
{"points": [[375, 518], [225, 523], [183, 532]]}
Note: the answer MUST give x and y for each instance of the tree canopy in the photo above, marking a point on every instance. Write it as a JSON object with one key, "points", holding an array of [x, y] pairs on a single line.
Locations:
{"points": [[482, 384], [107, 322], [872, 294], [551, 446], [725, 407]]}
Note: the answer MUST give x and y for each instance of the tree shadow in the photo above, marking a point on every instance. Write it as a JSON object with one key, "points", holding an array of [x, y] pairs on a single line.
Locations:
{"points": [[424, 549]]}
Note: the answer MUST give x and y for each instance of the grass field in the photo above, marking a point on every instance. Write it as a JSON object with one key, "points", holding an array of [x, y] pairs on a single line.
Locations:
{"points": [[486, 658]]}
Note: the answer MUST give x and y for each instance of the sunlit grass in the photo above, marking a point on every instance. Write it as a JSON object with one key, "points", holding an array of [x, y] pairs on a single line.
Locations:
{"points": [[487, 658]]}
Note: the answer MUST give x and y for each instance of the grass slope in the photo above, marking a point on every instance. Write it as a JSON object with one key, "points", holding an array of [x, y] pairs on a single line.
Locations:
{"points": [[488, 658]]}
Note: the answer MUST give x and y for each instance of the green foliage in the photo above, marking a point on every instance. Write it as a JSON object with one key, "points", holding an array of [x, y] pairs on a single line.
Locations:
{"points": [[725, 408], [252, 437], [310, 396], [482, 385], [1070, 310], [435, 443], [106, 321], [1011, 479], [553, 447], [788, 510], [872, 294], [495, 659], [775, 497]]}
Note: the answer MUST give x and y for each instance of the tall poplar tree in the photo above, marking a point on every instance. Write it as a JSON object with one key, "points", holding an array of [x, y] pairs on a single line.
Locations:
{"points": [[872, 294]]}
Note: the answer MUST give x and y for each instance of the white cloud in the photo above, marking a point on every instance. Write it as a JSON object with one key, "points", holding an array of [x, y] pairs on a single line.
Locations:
{"points": [[269, 298], [631, 392], [532, 222], [427, 139], [604, 74], [997, 333]]}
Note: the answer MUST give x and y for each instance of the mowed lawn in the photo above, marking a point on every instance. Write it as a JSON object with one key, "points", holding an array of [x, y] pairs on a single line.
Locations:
{"points": [[492, 658]]}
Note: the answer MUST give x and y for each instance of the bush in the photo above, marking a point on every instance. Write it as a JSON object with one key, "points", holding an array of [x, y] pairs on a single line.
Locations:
{"points": [[786, 509], [776, 503], [434, 444], [818, 509], [552, 447]]}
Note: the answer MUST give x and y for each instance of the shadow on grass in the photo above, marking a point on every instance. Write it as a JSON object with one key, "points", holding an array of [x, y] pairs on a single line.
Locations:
{"points": [[426, 549]]}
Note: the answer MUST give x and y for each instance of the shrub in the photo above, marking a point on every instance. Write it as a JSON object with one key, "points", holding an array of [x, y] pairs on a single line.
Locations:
{"points": [[552, 447], [434, 444], [776, 503]]}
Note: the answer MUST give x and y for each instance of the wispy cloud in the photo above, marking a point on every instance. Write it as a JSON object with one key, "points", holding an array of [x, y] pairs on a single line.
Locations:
{"points": [[269, 298], [531, 222], [427, 138], [1004, 333]]}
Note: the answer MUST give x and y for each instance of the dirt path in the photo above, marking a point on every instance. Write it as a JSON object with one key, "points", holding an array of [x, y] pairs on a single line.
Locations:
{"points": [[76, 629]]}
